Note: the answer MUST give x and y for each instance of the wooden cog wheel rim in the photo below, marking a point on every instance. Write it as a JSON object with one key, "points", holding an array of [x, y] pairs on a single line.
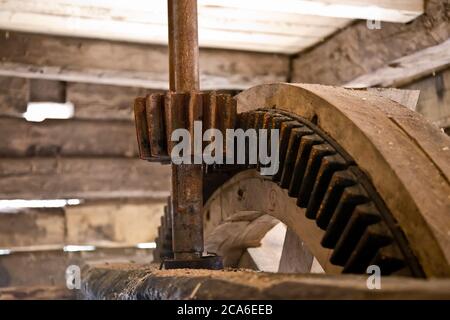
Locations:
{"points": [[393, 211]]}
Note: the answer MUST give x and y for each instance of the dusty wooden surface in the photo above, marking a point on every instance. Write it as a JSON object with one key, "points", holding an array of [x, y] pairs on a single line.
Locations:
{"points": [[135, 65], [91, 178], [357, 50], [67, 138], [128, 282], [37, 293]]}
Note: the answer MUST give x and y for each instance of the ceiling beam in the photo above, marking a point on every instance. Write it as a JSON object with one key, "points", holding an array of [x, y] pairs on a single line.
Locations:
{"points": [[406, 69], [125, 64], [146, 22], [81, 178], [357, 50], [383, 10], [71, 138]]}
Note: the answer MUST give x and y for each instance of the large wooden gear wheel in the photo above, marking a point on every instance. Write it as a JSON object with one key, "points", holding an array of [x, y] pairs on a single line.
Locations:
{"points": [[363, 180]]}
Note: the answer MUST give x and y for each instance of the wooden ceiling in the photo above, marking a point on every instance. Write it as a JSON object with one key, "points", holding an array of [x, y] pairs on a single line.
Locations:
{"points": [[280, 26]]}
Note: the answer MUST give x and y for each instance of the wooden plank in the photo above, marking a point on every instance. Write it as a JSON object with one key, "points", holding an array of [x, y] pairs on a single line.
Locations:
{"points": [[124, 64], [67, 138], [210, 17], [358, 50], [77, 178], [48, 267], [32, 226], [103, 102], [434, 100], [112, 223], [37, 293], [406, 69], [236, 233], [295, 258], [13, 96], [119, 30], [407, 98], [267, 256], [47, 91], [220, 26], [91, 101], [126, 223], [384, 10]]}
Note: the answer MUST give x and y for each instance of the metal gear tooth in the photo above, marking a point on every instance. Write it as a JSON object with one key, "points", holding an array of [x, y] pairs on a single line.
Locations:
{"points": [[301, 162], [259, 120], [291, 155], [251, 118], [270, 119], [279, 120], [339, 181], [350, 198], [363, 215], [285, 133], [389, 259], [328, 166], [242, 120], [267, 120], [375, 237], [318, 152]]}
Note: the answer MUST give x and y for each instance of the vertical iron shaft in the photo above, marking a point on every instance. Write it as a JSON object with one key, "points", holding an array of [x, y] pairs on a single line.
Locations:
{"points": [[187, 180]]}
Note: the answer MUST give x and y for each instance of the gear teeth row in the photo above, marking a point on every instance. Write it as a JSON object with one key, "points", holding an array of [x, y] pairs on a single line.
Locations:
{"points": [[329, 165], [363, 216], [374, 238], [164, 249], [158, 115], [324, 183], [301, 162]]}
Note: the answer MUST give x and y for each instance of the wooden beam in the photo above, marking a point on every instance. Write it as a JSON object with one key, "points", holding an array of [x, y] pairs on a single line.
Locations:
{"points": [[47, 267], [47, 91], [434, 100], [112, 223], [124, 64], [295, 257], [37, 293], [267, 256], [93, 178], [384, 10], [91, 101], [82, 138], [357, 50], [13, 96], [32, 227], [103, 102], [406, 69], [221, 26], [125, 223]]}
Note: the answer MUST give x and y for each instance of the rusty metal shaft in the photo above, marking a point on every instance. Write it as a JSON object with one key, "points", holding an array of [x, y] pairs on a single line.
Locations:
{"points": [[187, 180]]}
